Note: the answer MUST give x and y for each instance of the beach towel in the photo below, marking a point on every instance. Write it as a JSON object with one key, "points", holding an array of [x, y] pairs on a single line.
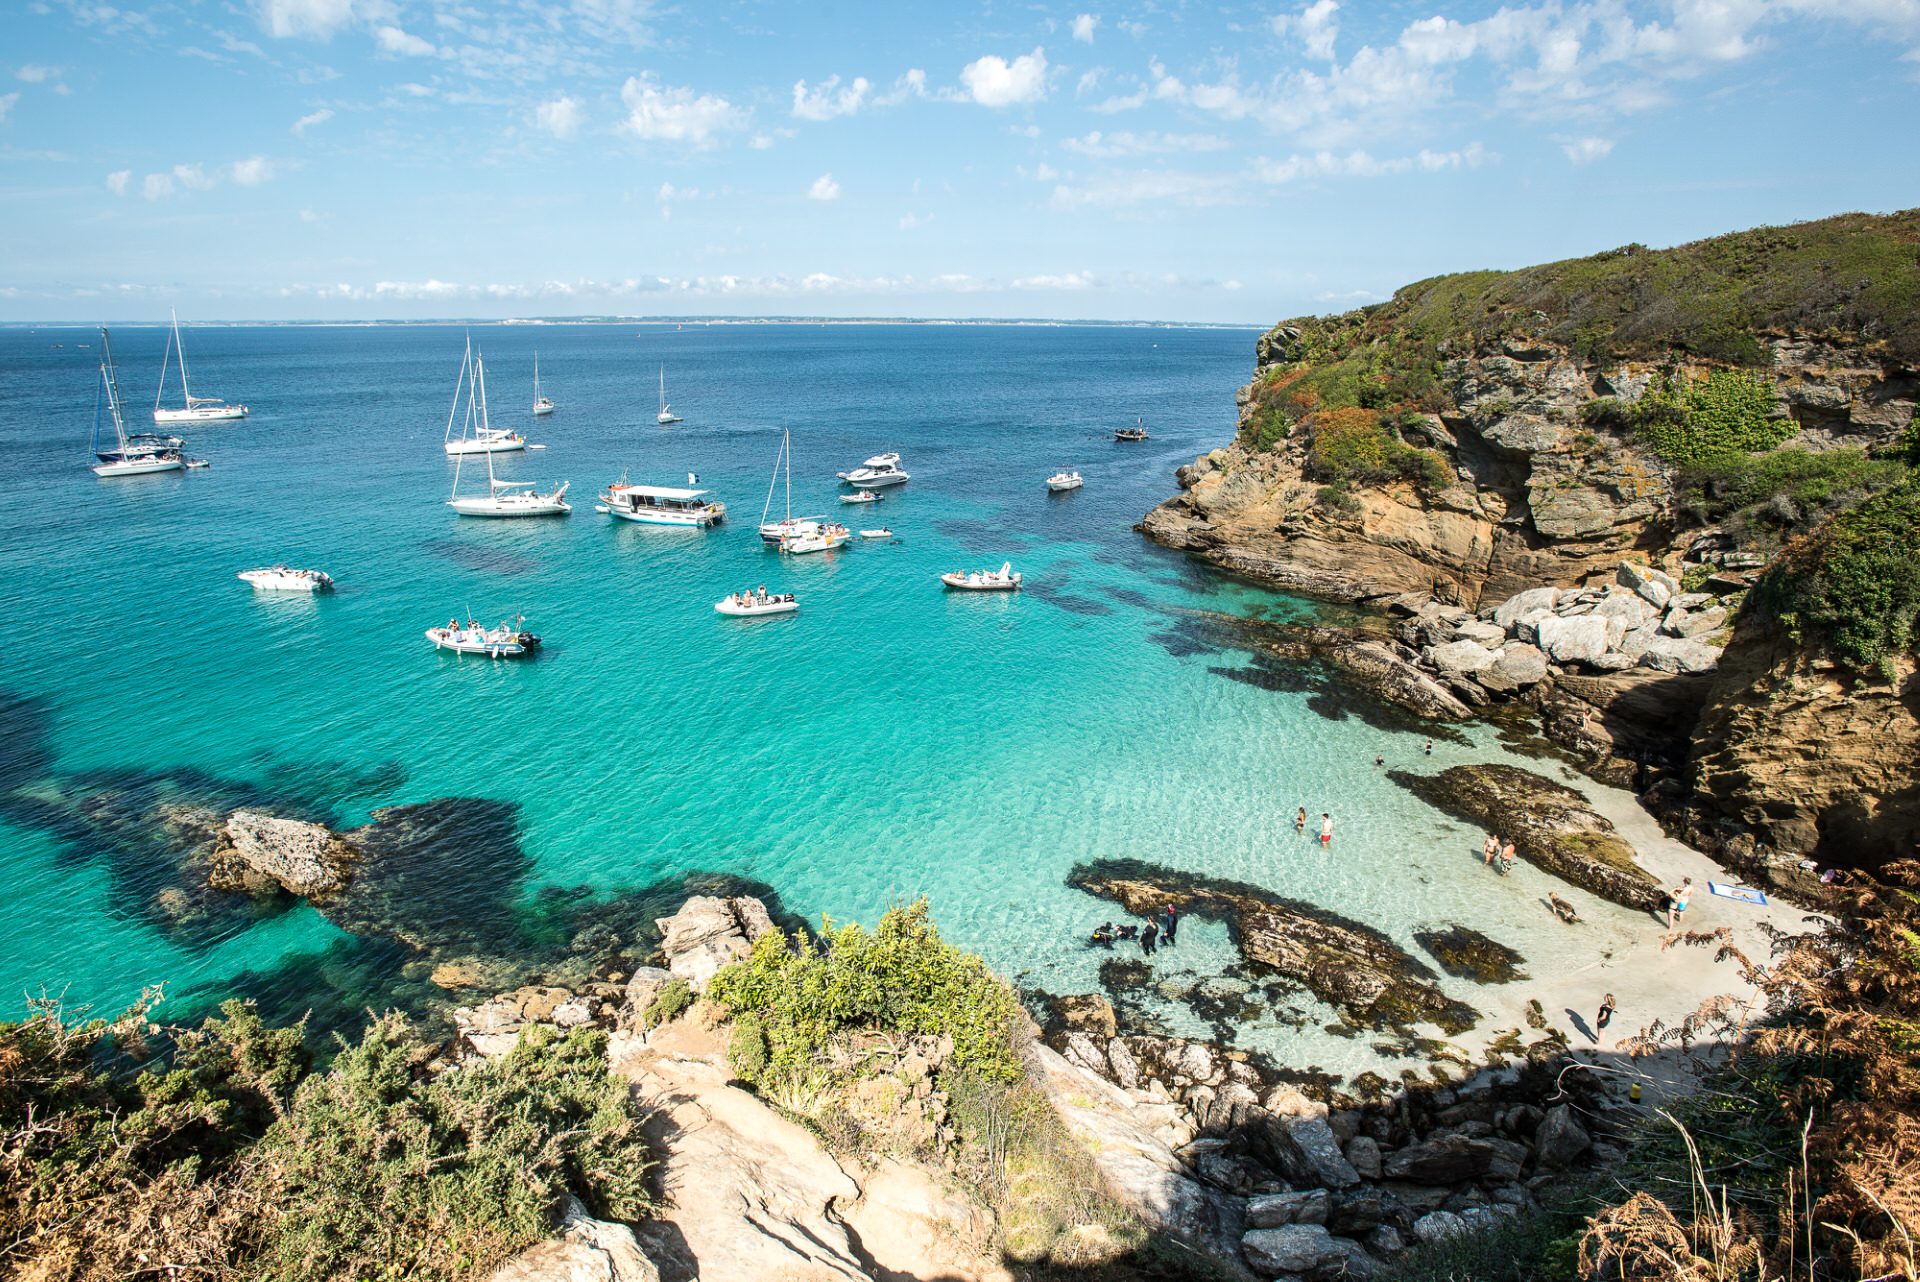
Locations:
{"points": [[1745, 894]]}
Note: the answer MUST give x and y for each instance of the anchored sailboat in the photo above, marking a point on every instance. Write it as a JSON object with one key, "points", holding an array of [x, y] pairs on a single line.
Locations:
{"points": [[503, 498], [541, 405], [195, 409], [666, 414], [130, 456]]}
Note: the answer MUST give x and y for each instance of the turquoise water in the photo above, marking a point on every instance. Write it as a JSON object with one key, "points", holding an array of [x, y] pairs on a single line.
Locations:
{"points": [[890, 741]]}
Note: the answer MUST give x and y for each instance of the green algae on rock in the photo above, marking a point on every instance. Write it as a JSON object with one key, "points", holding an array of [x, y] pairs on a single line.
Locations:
{"points": [[1549, 824], [1465, 953], [1344, 963]]}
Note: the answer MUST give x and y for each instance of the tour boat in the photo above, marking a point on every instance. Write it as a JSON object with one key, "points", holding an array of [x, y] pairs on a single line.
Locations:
{"points": [[1138, 432], [862, 496], [882, 533], [194, 409], [284, 578], [881, 469], [1004, 579], [129, 456], [506, 641], [749, 605], [814, 536], [503, 498], [666, 414], [542, 406], [660, 505], [1064, 480]]}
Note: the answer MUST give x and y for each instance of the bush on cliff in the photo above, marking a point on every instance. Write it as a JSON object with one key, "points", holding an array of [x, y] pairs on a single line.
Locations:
{"points": [[1853, 584], [1699, 422], [1762, 497], [227, 1157], [1354, 447]]}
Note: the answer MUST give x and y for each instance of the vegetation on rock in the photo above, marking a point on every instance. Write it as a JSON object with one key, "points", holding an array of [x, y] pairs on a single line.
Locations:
{"points": [[1726, 415], [131, 1149], [1853, 584], [1355, 447]]}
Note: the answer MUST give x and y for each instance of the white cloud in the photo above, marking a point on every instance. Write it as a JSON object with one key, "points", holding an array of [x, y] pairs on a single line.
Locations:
{"points": [[1124, 143], [830, 98], [909, 221], [760, 142], [1314, 26], [403, 44], [117, 181], [1057, 281], [1121, 102], [6, 105], [1084, 25], [824, 188], [559, 117], [1149, 185], [1361, 164], [317, 18], [1584, 151], [911, 85], [312, 119], [677, 114], [157, 186], [992, 81], [669, 194], [35, 74], [252, 171]]}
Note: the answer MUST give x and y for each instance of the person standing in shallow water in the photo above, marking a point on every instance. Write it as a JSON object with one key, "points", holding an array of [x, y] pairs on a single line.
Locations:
{"points": [[1300, 820], [1169, 925], [1326, 828], [1148, 934]]}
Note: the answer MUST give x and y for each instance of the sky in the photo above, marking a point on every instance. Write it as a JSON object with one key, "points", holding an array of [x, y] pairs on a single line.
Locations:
{"points": [[395, 159]]}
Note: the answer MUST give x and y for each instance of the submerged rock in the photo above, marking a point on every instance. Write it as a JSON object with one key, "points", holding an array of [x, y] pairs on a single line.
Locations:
{"points": [[1550, 825], [1468, 954], [1342, 962], [305, 859]]}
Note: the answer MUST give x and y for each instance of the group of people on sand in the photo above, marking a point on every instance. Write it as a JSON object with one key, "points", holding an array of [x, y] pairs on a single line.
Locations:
{"points": [[1497, 853], [1326, 825], [1162, 930]]}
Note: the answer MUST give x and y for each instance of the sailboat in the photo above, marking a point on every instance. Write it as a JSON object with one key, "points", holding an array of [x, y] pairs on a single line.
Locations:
{"points": [[776, 533], [130, 456], [503, 498], [542, 405], [195, 409], [666, 414], [485, 438]]}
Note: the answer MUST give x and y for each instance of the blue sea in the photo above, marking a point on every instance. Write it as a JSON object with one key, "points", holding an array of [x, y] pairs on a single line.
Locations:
{"points": [[890, 741]]}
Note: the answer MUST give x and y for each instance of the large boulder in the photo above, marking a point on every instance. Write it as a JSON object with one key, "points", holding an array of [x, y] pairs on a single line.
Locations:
{"points": [[1528, 606], [305, 859], [585, 1250], [1292, 1248], [643, 989], [1655, 587], [1460, 658], [1304, 1206], [1672, 654], [1457, 1159], [710, 932], [1438, 1226], [1560, 1139], [1309, 1152], [1518, 667], [1579, 639]]}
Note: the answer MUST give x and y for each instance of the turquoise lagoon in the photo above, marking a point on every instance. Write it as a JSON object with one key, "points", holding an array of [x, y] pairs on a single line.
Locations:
{"points": [[890, 741]]}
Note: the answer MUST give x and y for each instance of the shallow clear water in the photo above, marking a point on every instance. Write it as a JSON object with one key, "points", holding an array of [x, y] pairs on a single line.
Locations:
{"points": [[890, 741]]}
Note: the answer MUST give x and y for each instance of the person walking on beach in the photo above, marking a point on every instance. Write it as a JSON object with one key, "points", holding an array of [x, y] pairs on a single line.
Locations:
{"points": [[1677, 902], [1148, 934], [1169, 925], [1326, 828], [1605, 1016]]}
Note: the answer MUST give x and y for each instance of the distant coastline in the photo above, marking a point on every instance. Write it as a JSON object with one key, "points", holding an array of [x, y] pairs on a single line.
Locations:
{"points": [[703, 321]]}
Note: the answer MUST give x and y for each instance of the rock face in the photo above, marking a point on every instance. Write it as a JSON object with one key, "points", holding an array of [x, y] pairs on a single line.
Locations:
{"points": [[585, 1250], [1549, 823], [304, 859], [1373, 665], [1342, 962], [710, 932], [1795, 756]]}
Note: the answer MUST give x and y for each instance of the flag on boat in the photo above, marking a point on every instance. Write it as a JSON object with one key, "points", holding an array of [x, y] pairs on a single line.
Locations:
{"points": [[693, 479]]}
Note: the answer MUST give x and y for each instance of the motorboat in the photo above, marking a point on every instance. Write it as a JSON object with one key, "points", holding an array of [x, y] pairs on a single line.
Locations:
{"points": [[1064, 480], [505, 641], [666, 414], [1138, 432], [815, 537], [881, 469], [862, 496], [139, 455], [194, 409], [1004, 579], [284, 578], [752, 605], [542, 405], [660, 505], [503, 498], [881, 533]]}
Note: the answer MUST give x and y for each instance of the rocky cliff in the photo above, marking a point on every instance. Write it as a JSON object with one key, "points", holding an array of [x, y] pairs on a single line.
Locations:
{"points": [[1659, 423]]}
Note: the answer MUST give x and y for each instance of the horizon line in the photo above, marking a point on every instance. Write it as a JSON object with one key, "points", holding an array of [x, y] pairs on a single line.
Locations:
{"points": [[705, 319]]}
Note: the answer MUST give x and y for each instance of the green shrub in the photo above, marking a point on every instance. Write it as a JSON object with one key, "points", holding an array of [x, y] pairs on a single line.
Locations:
{"points": [[747, 1053], [1785, 490], [1353, 447], [673, 998], [1266, 429], [1854, 583], [901, 977]]}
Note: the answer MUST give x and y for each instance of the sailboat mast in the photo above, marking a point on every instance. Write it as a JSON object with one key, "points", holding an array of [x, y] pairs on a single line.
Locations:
{"points": [[461, 378], [166, 358], [663, 389], [480, 379], [113, 388], [786, 449], [180, 347]]}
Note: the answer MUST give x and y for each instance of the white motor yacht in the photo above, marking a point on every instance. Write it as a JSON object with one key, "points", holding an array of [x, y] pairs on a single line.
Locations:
{"points": [[1004, 579], [194, 409], [881, 469], [503, 498], [505, 641], [818, 538], [1064, 480], [284, 578], [750, 605], [862, 496], [660, 505], [138, 455]]}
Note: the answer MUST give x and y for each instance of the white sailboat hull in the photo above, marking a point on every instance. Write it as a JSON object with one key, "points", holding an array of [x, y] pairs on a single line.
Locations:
{"points": [[201, 414], [510, 505], [490, 445], [542, 408], [140, 465]]}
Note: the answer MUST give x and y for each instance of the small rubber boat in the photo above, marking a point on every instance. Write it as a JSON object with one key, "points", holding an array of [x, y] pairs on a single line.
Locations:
{"points": [[1004, 579], [1138, 432], [881, 533], [752, 605], [861, 496], [1064, 480], [284, 578], [502, 642]]}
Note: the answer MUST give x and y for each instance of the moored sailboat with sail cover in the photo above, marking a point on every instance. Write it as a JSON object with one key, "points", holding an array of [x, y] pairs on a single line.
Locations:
{"points": [[130, 456], [194, 409], [503, 498]]}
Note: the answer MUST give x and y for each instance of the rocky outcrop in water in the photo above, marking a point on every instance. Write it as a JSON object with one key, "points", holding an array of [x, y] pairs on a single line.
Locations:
{"points": [[1342, 962], [1550, 825], [258, 851], [710, 932]]}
